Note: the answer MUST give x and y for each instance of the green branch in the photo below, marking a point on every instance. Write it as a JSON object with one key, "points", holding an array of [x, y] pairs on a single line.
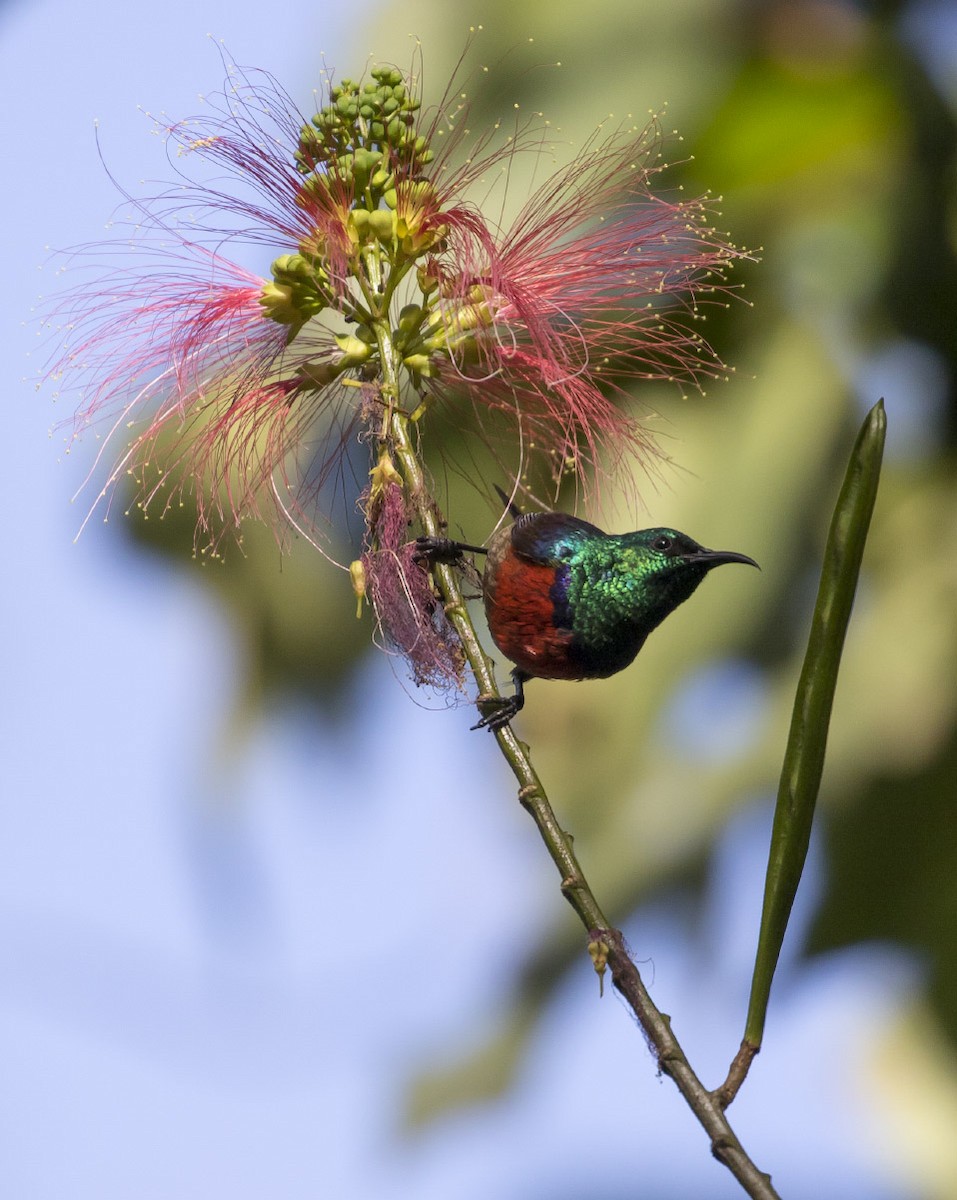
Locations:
{"points": [[605, 944]]}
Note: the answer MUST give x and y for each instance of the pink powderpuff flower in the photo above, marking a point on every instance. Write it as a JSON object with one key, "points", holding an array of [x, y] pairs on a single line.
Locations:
{"points": [[597, 282], [390, 292], [173, 352], [200, 361]]}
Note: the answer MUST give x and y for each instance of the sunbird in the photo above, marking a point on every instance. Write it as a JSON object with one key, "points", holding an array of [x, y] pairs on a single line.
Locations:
{"points": [[565, 600]]}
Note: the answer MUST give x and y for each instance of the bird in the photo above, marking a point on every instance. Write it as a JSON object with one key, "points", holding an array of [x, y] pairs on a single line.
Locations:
{"points": [[565, 600]]}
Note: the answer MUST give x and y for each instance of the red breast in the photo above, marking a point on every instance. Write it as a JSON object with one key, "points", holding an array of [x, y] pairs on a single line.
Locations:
{"points": [[520, 612]]}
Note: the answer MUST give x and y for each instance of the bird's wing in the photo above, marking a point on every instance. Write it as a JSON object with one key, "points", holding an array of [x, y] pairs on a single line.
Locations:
{"points": [[540, 537]]}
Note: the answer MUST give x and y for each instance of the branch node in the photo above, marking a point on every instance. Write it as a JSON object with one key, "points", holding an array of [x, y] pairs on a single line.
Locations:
{"points": [[525, 795], [721, 1145], [737, 1073]]}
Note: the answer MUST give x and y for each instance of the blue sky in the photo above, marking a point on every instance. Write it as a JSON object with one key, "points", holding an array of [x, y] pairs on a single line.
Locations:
{"points": [[212, 984]]}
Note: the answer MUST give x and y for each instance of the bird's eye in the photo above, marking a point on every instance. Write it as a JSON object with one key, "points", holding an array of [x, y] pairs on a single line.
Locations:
{"points": [[663, 542]]}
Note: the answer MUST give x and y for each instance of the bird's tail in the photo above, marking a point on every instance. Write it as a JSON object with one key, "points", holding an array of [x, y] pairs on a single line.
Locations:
{"points": [[514, 511]]}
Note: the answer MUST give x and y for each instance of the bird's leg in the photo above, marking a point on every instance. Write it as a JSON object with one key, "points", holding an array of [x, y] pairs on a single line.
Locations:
{"points": [[444, 550], [505, 707]]}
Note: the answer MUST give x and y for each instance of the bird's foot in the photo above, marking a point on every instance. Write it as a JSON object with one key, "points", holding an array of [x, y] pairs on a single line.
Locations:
{"points": [[501, 709], [444, 550]]}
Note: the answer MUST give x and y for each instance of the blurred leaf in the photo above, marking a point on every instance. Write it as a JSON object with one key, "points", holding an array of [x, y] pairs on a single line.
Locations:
{"points": [[893, 857], [912, 1082], [483, 1074], [781, 129]]}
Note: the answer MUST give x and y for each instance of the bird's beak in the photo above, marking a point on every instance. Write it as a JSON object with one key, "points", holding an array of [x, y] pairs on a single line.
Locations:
{"points": [[714, 558]]}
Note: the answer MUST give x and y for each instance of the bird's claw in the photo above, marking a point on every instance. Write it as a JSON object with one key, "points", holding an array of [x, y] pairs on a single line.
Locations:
{"points": [[444, 550], [505, 707], [501, 709], [436, 550]]}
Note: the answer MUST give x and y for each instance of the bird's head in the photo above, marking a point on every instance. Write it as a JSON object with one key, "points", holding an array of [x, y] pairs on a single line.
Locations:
{"points": [[671, 564]]}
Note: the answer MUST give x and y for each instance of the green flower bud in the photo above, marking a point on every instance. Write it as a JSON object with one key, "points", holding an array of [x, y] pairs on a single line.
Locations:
{"points": [[357, 224], [277, 302], [410, 319], [382, 224], [296, 292], [354, 350], [318, 375], [427, 278], [357, 574], [420, 364], [347, 139]]}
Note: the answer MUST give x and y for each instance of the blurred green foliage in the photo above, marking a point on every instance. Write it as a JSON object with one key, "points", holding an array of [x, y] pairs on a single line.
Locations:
{"points": [[832, 150]]}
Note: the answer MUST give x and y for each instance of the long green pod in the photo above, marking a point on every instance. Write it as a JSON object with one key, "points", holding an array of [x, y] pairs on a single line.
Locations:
{"points": [[807, 740]]}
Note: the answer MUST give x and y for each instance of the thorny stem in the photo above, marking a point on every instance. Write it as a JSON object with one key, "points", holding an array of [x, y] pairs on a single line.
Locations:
{"points": [[707, 1106]]}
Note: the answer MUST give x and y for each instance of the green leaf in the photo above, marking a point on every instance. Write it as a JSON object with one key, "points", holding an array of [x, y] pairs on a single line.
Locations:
{"points": [[807, 741]]}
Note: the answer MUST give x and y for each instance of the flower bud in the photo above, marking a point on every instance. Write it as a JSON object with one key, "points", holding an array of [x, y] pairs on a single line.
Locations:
{"points": [[357, 573], [314, 376], [354, 350], [420, 364], [383, 474], [410, 319], [382, 224]]}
